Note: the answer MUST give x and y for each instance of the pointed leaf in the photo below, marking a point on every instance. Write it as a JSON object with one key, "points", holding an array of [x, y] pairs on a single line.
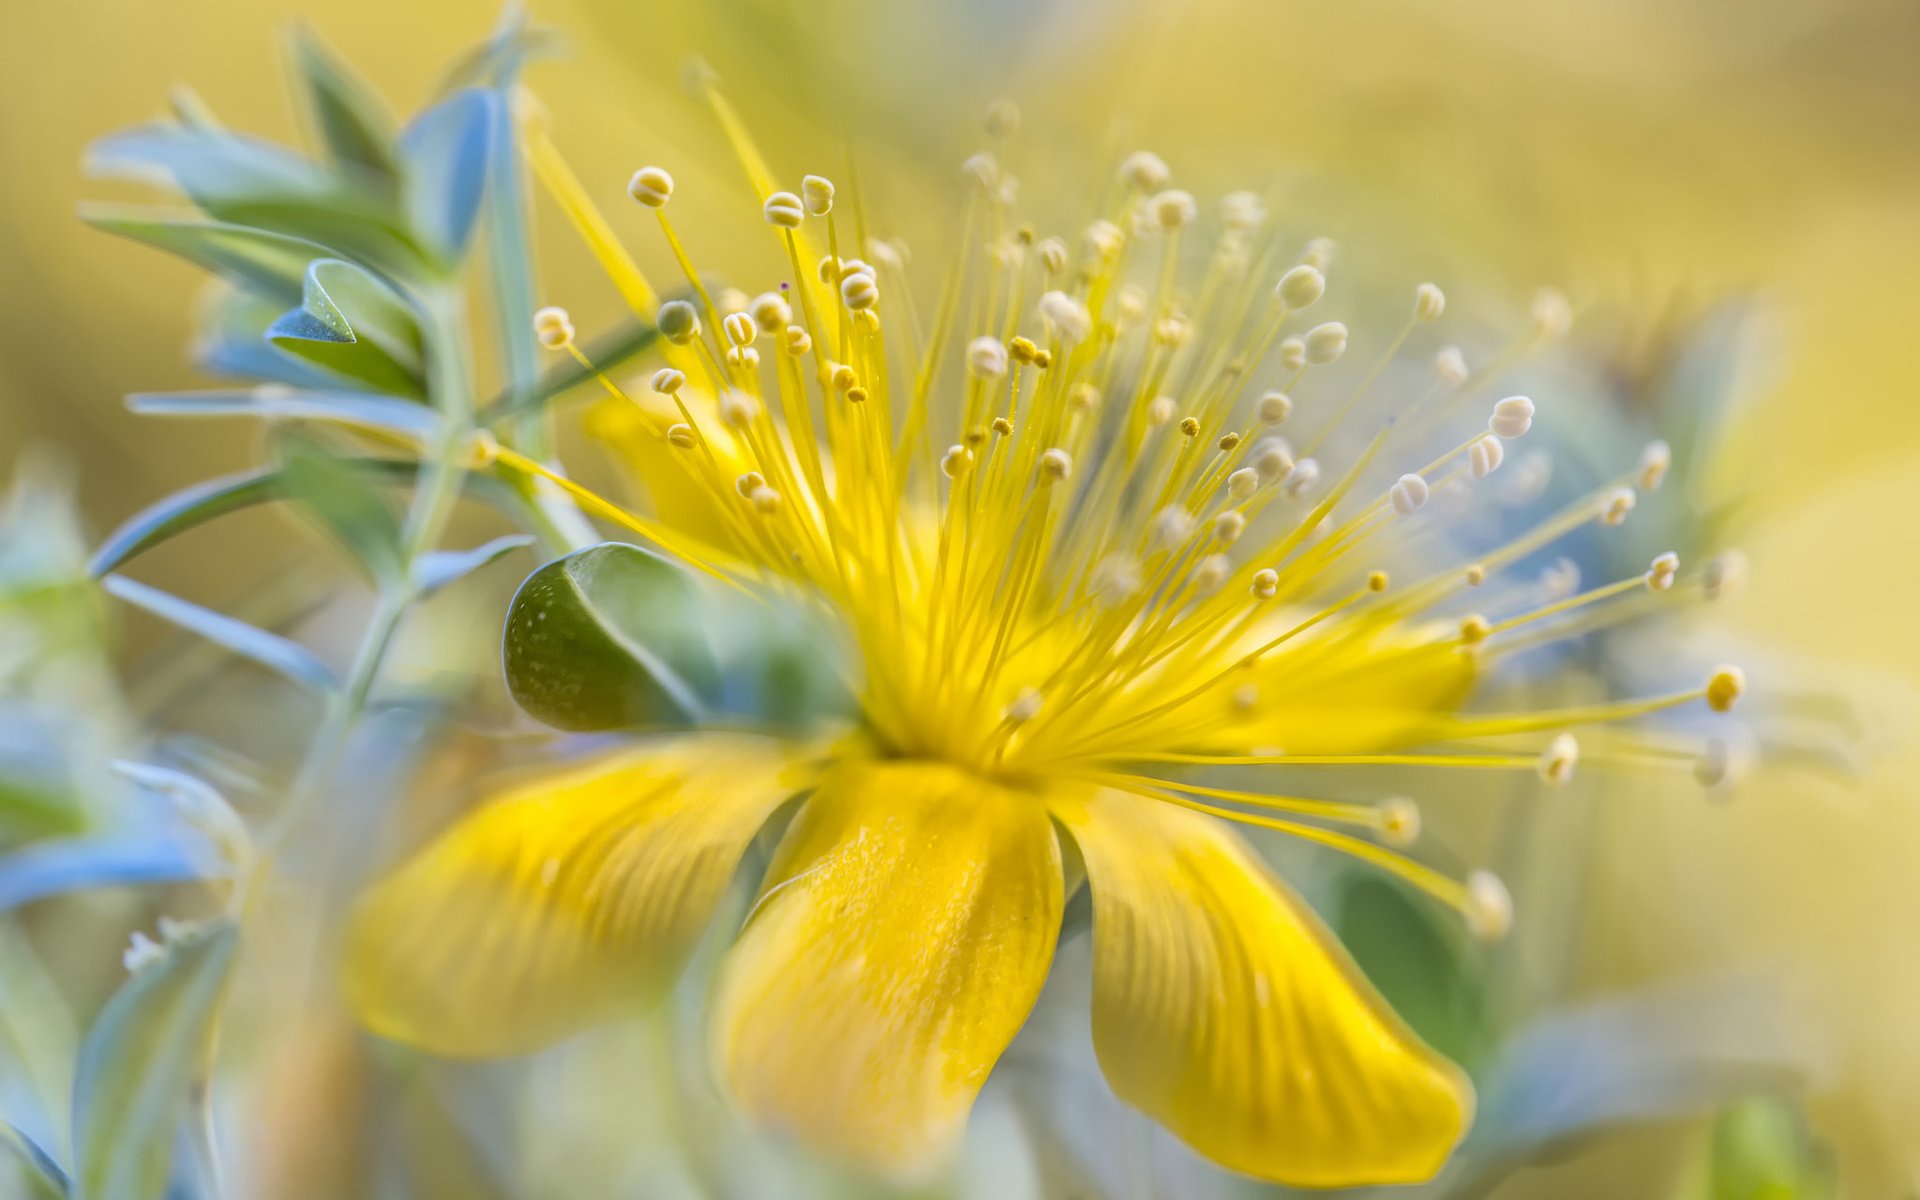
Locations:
{"points": [[270, 650], [231, 340], [352, 324], [440, 568], [201, 503], [609, 638], [139, 1061], [444, 155], [272, 264], [356, 129], [347, 507], [363, 410]]}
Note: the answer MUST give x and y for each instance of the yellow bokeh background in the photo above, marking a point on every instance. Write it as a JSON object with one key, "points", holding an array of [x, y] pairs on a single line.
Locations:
{"points": [[1637, 151]]}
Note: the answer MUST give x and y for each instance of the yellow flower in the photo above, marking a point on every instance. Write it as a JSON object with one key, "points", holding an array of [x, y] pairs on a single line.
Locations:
{"points": [[1076, 559]]}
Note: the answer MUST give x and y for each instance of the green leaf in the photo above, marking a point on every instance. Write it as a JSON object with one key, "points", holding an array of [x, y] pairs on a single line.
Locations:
{"points": [[138, 1063], [442, 568], [357, 131], [444, 155], [270, 650], [273, 264], [1763, 1150], [194, 506], [347, 507], [1418, 960], [351, 323], [609, 638]]}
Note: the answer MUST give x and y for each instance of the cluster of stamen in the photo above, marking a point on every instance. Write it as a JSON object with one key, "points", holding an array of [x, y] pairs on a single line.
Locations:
{"points": [[1060, 521]]}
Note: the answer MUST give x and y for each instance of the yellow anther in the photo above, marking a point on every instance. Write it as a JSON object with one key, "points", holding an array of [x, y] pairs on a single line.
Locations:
{"points": [[856, 395], [1274, 408], [1428, 302], [817, 193], [1377, 581], [770, 312], [1474, 629], [765, 499], [680, 434], [744, 357], [1660, 574], [740, 329], [1065, 316], [799, 341], [1211, 574], [987, 358], [1617, 506], [1266, 583], [1229, 526], [651, 186], [1160, 411], [1559, 759], [483, 450], [1724, 687], [1173, 209], [1303, 477], [983, 170], [1083, 398], [1397, 822], [1476, 575], [859, 290], [1022, 349], [748, 483], [553, 328], [1326, 343], [1042, 358], [1293, 353], [667, 381], [678, 322], [1145, 171], [1243, 483], [1056, 464], [1190, 426], [737, 408], [1053, 255], [1301, 287], [977, 436], [842, 377], [956, 461], [1655, 461], [1103, 240], [783, 210], [1227, 442], [1002, 426], [1489, 906]]}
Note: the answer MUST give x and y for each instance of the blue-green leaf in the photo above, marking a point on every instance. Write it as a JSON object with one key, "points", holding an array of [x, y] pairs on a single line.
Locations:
{"points": [[270, 650], [196, 505], [346, 506], [38, 1039], [48, 1177], [364, 410], [272, 264], [444, 155], [54, 868], [138, 1063], [351, 323], [440, 568], [355, 127], [609, 638]]}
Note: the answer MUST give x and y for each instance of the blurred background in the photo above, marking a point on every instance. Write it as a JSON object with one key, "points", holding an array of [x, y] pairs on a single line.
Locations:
{"points": [[1672, 164]]}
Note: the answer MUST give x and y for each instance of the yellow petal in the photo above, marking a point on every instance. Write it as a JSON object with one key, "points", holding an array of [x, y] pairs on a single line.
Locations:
{"points": [[904, 930], [1225, 1010], [563, 900], [1366, 695]]}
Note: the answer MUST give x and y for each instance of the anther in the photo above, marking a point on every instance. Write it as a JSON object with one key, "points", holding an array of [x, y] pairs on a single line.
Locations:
{"points": [[1293, 354], [1301, 479], [667, 381], [1274, 408], [1242, 212], [1511, 418], [983, 170], [842, 377], [1377, 581], [1489, 907], [1616, 506], [1326, 343], [651, 186], [1476, 575], [1043, 358], [783, 210], [1052, 253], [1485, 455], [1145, 171], [1160, 411], [1172, 526], [765, 499], [856, 395], [1083, 398], [680, 435], [1266, 583], [744, 357], [1246, 697], [1560, 757], [1022, 349], [1103, 239], [1056, 464], [817, 194], [1660, 574], [1724, 575], [678, 322], [1319, 253], [1174, 209], [986, 358], [740, 329], [1172, 331], [1228, 526], [1560, 578], [1273, 459], [1474, 629], [1301, 287], [1066, 316], [1655, 461], [1190, 426], [955, 462], [1408, 494], [1450, 365], [737, 409], [553, 328], [1397, 822], [748, 483], [1002, 427], [799, 341], [1242, 484], [770, 312], [859, 290], [1552, 315], [1227, 442], [1211, 574], [1428, 302], [1724, 687]]}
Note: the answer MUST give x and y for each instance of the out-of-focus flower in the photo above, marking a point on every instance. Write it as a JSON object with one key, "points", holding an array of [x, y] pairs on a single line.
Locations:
{"points": [[1116, 572]]}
